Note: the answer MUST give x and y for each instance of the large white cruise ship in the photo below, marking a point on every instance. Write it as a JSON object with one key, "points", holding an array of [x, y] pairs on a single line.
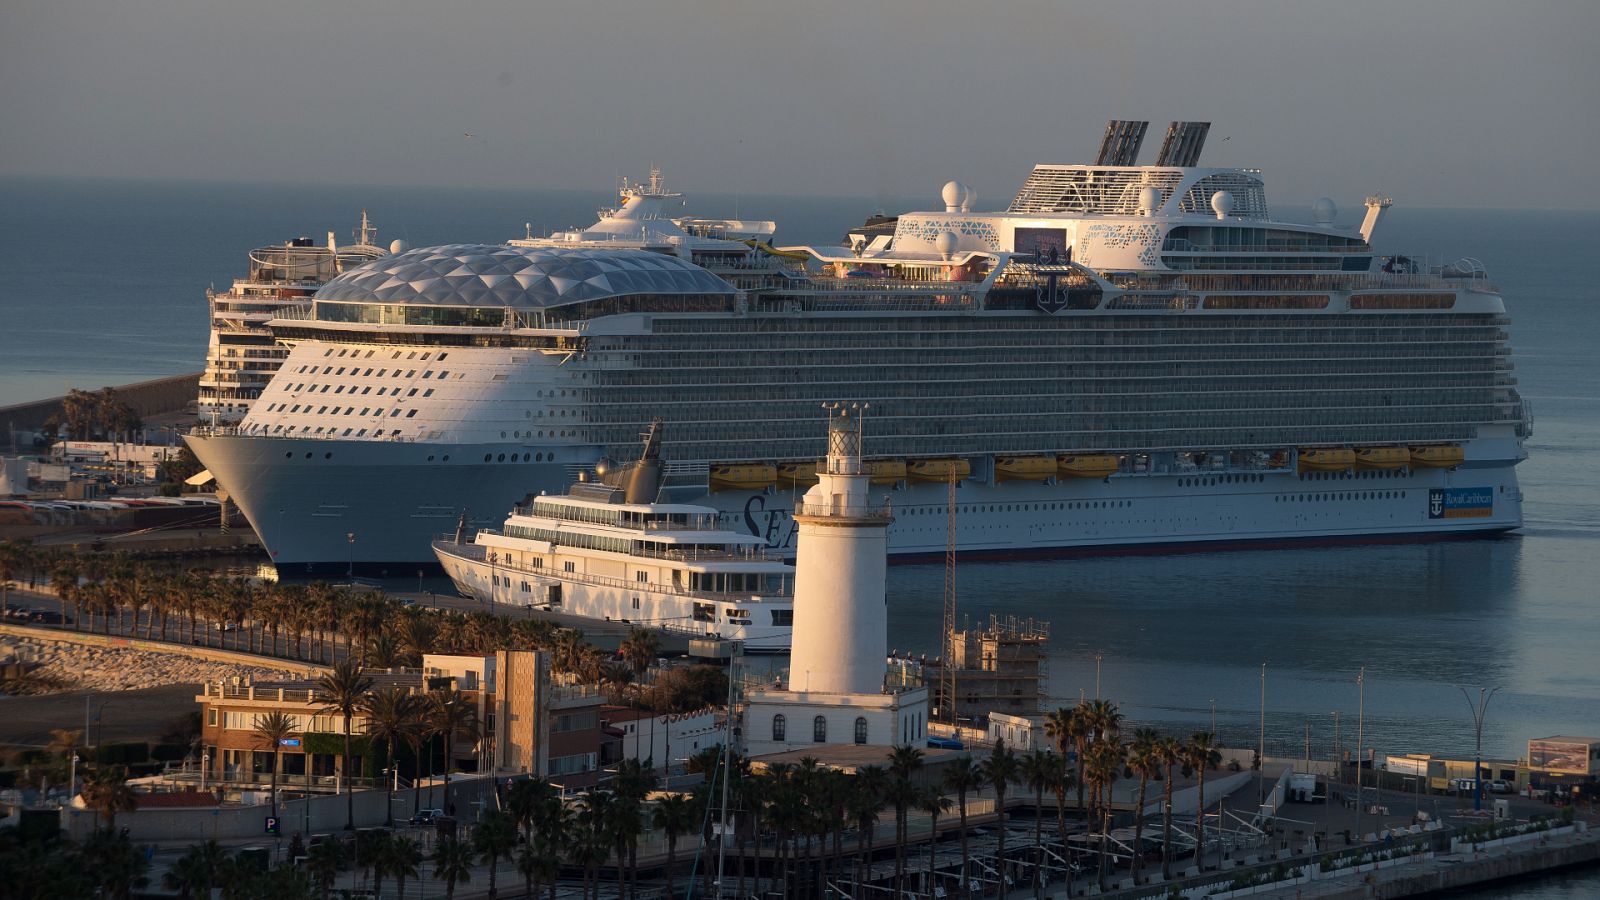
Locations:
{"points": [[1128, 356], [241, 355]]}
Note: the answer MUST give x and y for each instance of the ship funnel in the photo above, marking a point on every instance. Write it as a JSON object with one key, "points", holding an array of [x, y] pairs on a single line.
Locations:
{"points": [[644, 477], [1120, 146], [1183, 144]]}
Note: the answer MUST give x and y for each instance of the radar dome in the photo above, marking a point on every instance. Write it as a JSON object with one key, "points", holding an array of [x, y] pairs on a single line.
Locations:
{"points": [[1324, 211], [1149, 201], [952, 195], [968, 197], [945, 243], [1222, 202], [398, 246]]}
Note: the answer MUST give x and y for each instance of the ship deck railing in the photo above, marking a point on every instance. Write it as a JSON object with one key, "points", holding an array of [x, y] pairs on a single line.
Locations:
{"points": [[881, 512], [754, 553], [448, 544]]}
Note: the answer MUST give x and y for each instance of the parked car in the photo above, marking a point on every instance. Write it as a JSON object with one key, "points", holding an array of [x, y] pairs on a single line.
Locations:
{"points": [[427, 816], [49, 617], [1497, 786]]}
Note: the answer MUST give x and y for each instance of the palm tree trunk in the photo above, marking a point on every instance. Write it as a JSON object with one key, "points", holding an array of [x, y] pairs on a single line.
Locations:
{"points": [[344, 773], [1200, 821], [1038, 840], [1138, 830], [933, 842], [1166, 827], [1000, 811], [966, 889]]}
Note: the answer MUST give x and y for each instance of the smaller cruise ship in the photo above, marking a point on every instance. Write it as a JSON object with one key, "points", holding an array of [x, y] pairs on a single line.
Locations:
{"points": [[609, 552], [242, 355]]}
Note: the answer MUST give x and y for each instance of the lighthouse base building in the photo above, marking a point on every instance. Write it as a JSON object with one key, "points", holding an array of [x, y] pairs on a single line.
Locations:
{"points": [[840, 647]]}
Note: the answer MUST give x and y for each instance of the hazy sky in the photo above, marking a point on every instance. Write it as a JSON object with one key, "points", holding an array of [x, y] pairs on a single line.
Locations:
{"points": [[1448, 103]]}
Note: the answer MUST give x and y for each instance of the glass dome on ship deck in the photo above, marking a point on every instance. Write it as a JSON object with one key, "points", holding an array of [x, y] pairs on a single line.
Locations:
{"points": [[478, 284]]}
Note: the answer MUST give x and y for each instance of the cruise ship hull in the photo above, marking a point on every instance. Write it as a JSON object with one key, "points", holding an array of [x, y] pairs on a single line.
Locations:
{"points": [[305, 497]]}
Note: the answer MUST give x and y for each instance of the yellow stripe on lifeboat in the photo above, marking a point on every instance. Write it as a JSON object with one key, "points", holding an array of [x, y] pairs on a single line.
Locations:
{"points": [[797, 474], [1024, 468], [1097, 465], [1438, 456], [886, 471], [742, 476], [1326, 459], [940, 470], [1382, 457]]}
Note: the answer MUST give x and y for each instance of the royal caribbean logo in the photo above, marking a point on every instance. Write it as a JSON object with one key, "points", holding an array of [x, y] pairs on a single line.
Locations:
{"points": [[1460, 503]]}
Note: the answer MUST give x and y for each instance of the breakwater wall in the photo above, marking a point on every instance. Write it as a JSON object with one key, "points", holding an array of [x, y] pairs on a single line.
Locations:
{"points": [[148, 398]]}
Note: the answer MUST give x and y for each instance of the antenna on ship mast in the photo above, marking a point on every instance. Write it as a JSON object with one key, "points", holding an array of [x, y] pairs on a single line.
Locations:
{"points": [[947, 672]]}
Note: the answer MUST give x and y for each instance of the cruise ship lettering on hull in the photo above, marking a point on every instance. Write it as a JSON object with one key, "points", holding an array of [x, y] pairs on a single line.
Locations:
{"points": [[1126, 357]]}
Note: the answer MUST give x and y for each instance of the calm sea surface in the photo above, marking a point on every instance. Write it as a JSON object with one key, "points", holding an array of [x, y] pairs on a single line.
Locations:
{"points": [[103, 283]]}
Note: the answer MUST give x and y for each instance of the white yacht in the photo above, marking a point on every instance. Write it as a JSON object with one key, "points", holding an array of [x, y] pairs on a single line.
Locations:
{"points": [[610, 552], [241, 355], [1126, 357]]}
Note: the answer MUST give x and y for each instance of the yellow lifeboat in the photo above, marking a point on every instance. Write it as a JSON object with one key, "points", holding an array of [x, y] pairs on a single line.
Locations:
{"points": [[1439, 456], [1381, 457], [797, 474], [1098, 465], [886, 471], [1326, 459], [742, 476], [1024, 468], [940, 470]]}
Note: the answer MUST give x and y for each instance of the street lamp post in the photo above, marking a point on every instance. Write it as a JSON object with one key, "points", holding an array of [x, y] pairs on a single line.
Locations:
{"points": [[1478, 710], [1097, 658], [1213, 717], [350, 538], [1361, 724], [1261, 751]]}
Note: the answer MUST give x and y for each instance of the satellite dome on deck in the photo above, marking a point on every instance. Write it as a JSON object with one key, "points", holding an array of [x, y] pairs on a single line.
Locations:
{"points": [[945, 243], [968, 197], [1324, 211], [1222, 202], [398, 246], [952, 195], [1149, 201]]}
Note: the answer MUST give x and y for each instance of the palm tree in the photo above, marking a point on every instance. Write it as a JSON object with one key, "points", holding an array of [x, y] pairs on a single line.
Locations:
{"points": [[493, 838], [639, 650], [538, 862], [1068, 726], [962, 776], [400, 857], [525, 800], [345, 689], [1201, 754], [1144, 758], [1101, 767], [325, 861], [106, 791], [271, 731], [674, 816], [194, 873], [1038, 768], [866, 804], [1001, 770], [449, 715], [452, 860], [1169, 751], [904, 760], [391, 715], [934, 803]]}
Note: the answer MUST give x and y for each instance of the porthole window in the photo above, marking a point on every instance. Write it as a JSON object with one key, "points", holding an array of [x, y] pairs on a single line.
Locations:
{"points": [[488, 457], [502, 458]]}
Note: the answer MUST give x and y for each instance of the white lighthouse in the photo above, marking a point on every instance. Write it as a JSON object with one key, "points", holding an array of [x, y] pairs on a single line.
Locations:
{"points": [[841, 617], [840, 645]]}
